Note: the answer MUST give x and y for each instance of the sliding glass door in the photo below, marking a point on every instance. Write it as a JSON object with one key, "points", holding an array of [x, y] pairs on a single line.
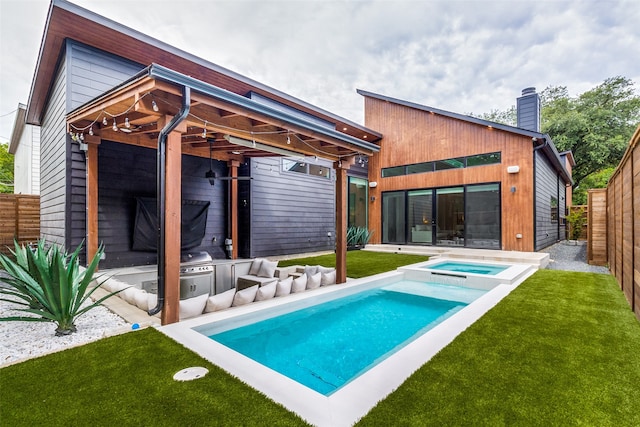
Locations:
{"points": [[393, 217], [453, 216], [483, 216], [421, 220]]}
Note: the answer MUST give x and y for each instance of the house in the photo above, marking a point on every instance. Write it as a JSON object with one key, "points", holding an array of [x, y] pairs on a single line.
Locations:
{"points": [[25, 146], [153, 151], [447, 179]]}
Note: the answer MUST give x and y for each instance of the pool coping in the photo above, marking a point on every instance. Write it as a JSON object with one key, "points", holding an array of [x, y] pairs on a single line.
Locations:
{"points": [[352, 401]]}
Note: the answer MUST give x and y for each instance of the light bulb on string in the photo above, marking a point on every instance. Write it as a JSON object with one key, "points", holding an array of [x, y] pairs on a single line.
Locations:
{"points": [[104, 121], [204, 131], [154, 106], [115, 126], [126, 122], [288, 140], [91, 130]]}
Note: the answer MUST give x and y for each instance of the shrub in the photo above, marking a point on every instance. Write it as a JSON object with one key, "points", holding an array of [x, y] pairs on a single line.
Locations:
{"points": [[358, 236], [50, 284], [576, 219]]}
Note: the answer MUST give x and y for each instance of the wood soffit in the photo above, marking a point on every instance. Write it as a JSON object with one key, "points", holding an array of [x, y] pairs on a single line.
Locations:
{"points": [[136, 104], [63, 24]]}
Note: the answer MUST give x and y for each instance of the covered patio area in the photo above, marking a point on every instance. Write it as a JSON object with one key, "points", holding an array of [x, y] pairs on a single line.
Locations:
{"points": [[176, 115]]}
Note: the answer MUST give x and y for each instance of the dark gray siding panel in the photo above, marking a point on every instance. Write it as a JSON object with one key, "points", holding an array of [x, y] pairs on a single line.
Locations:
{"points": [[53, 166], [290, 212], [92, 72], [126, 172], [548, 185]]}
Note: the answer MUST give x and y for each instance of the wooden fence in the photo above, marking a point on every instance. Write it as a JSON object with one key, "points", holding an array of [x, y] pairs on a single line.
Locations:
{"points": [[623, 223], [597, 227], [19, 219]]}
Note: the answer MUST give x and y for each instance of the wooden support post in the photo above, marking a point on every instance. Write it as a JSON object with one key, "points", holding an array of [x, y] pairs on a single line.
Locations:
{"points": [[92, 200], [173, 204], [233, 206], [341, 221]]}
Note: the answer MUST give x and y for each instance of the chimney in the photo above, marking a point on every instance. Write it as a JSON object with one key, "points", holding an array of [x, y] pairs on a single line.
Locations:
{"points": [[528, 109]]}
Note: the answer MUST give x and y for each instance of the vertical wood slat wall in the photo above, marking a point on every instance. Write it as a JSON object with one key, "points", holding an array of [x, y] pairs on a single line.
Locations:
{"points": [[19, 219], [623, 223], [597, 226]]}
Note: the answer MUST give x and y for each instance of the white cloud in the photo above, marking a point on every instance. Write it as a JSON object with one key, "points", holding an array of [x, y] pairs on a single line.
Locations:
{"points": [[463, 56]]}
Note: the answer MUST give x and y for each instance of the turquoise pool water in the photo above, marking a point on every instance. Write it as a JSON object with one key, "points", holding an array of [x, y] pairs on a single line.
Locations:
{"points": [[468, 267], [325, 346]]}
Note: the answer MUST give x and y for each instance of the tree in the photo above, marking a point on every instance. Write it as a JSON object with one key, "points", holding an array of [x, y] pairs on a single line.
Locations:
{"points": [[597, 179], [595, 126], [6, 169]]}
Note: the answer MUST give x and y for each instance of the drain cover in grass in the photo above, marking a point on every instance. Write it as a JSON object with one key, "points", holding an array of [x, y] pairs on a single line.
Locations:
{"points": [[189, 374]]}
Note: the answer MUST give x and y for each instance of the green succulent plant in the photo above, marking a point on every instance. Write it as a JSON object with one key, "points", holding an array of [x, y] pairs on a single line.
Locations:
{"points": [[49, 284]]}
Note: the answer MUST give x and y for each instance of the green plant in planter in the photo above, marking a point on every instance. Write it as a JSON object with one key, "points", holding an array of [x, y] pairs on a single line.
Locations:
{"points": [[50, 284], [358, 236]]}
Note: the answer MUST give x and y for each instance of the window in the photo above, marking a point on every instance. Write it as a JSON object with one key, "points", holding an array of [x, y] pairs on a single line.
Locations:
{"points": [[289, 165], [554, 209], [358, 206], [420, 168], [483, 159], [394, 171], [483, 216], [450, 164]]}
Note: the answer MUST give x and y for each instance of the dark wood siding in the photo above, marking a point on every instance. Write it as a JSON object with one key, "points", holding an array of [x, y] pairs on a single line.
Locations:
{"points": [[53, 164], [126, 172], [290, 212], [548, 185], [90, 72]]}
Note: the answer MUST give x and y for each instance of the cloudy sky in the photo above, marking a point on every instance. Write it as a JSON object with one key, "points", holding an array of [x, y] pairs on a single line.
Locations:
{"points": [[461, 56]]}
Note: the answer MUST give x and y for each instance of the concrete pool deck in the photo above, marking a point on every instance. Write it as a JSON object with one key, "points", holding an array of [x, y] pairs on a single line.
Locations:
{"points": [[536, 259], [349, 403]]}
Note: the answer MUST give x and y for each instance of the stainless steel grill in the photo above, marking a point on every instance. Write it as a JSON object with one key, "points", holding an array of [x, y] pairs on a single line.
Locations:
{"points": [[196, 276]]}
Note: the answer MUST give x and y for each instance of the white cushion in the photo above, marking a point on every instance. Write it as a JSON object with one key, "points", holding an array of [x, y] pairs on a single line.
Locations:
{"points": [[267, 291], [310, 270], [313, 282], [328, 278], [284, 286], [220, 301], [299, 284], [245, 296], [129, 295], [141, 299], [255, 266], [325, 270], [193, 307], [267, 268]]}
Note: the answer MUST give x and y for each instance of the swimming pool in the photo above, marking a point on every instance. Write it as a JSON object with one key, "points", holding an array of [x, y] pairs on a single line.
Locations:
{"points": [[468, 267], [349, 402], [325, 346]]}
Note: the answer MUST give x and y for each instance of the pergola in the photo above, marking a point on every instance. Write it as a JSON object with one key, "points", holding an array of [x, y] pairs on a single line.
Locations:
{"points": [[176, 114]]}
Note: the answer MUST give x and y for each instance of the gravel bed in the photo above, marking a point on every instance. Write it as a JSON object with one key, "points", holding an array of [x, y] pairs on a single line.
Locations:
{"points": [[571, 255], [25, 340]]}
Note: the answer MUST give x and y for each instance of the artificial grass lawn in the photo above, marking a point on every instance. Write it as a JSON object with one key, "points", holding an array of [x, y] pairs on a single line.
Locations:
{"points": [[360, 263], [561, 349], [127, 380]]}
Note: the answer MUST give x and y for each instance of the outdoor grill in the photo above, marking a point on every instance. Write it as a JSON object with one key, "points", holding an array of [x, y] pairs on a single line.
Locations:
{"points": [[196, 275]]}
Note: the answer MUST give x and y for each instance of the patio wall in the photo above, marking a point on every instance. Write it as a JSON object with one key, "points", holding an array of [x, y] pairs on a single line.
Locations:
{"points": [[623, 223]]}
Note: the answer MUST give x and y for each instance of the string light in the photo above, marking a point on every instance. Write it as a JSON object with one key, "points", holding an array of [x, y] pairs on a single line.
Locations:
{"points": [[115, 126], [204, 131], [154, 106], [288, 139], [104, 121], [126, 122], [91, 130]]}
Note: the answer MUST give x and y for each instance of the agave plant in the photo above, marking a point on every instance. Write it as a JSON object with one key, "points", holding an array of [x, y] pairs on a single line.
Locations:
{"points": [[358, 236], [50, 284]]}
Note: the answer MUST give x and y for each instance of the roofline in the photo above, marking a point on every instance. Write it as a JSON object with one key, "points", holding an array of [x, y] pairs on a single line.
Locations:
{"points": [[549, 149], [159, 72], [18, 127], [113, 25]]}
